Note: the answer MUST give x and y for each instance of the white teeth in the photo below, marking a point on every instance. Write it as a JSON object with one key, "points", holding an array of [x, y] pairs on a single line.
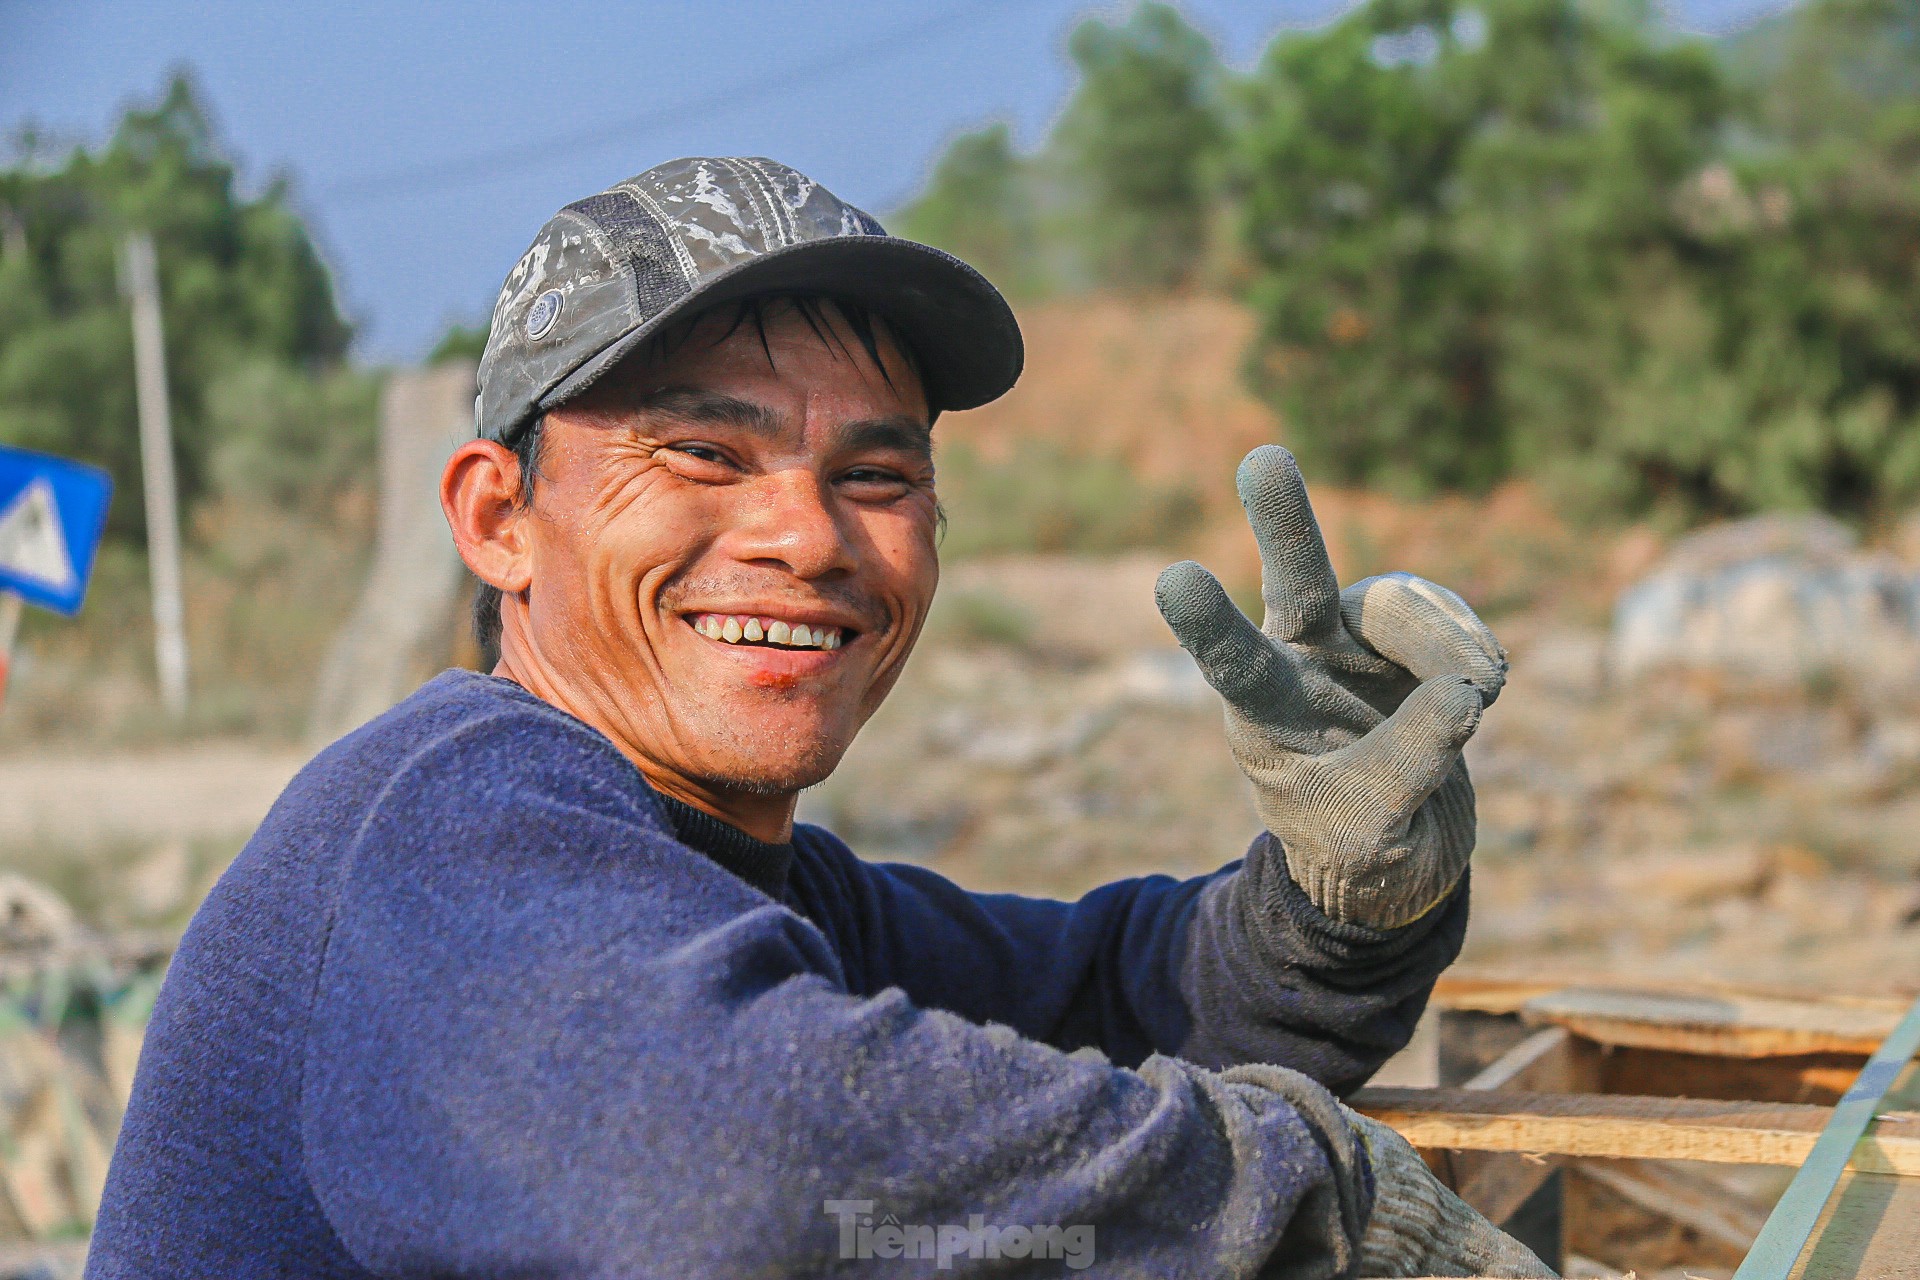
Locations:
{"points": [[735, 628]]}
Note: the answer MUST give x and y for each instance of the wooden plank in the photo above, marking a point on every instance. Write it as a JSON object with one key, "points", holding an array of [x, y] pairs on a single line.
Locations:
{"points": [[1484, 990], [1469, 992], [1602, 1223], [1724, 1025], [1870, 1231], [1622, 1127], [1761, 1052]]}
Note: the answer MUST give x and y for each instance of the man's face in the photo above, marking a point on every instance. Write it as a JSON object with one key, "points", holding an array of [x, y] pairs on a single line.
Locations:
{"points": [[732, 549]]}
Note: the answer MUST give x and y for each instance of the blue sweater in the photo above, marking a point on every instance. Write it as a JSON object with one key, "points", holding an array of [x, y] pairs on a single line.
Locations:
{"points": [[469, 1004]]}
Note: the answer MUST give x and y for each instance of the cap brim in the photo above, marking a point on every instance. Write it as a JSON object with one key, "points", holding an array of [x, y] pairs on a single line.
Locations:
{"points": [[963, 333]]}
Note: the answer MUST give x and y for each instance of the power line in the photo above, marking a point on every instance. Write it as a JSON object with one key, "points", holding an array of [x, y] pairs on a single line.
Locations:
{"points": [[479, 166]]}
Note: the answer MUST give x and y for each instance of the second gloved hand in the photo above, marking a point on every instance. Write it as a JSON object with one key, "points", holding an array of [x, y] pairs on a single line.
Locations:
{"points": [[1419, 1228], [1347, 710]]}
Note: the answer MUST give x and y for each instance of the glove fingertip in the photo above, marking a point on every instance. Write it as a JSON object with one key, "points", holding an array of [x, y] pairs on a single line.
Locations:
{"points": [[1261, 468], [1177, 580], [1187, 594], [1455, 703]]}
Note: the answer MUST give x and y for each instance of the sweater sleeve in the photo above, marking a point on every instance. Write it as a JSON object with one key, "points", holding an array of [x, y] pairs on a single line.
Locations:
{"points": [[546, 1039], [1230, 968], [1268, 977]]}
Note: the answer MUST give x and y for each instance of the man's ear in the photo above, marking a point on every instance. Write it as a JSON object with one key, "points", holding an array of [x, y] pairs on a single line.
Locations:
{"points": [[480, 492]]}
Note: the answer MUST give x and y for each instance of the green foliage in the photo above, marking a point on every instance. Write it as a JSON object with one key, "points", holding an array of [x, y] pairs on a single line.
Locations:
{"points": [[1142, 138], [460, 342], [240, 281], [980, 205], [1488, 238], [290, 438], [1126, 190], [1773, 360], [1432, 186], [1542, 237], [1046, 498]]}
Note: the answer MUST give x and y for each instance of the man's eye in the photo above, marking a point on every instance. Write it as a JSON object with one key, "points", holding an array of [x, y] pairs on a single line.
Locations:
{"points": [[874, 482], [704, 452]]}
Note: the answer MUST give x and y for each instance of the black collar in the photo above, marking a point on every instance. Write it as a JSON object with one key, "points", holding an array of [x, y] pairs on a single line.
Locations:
{"points": [[760, 864]]}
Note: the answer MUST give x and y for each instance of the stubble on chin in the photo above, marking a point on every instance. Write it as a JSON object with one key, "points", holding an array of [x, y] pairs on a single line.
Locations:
{"points": [[757, 755], [788, 774]]}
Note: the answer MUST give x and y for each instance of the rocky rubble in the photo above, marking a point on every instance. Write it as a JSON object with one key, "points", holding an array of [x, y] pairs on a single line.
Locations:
{"points": [[1781, 599]]}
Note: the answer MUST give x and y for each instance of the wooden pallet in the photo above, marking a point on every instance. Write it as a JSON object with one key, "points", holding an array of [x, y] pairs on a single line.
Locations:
{"points": [[1604, 1122]]}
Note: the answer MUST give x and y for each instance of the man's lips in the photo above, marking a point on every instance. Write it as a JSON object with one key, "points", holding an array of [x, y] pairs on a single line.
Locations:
{"points": [[783, 630], [764, 662]]}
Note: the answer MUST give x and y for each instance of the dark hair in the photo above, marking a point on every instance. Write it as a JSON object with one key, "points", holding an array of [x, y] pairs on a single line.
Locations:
{"points": [[754, 310]]}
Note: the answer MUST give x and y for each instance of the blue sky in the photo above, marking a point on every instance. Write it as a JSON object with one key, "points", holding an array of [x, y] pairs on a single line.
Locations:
{"points": [[429, 141]]}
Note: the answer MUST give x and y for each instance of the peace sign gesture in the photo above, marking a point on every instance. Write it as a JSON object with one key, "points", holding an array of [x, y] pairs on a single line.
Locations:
{"points": [[1347, 709]]}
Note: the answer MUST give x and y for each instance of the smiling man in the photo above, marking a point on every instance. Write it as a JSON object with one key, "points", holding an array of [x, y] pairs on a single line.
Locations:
{"points": [[536, 976], [739, 555]]}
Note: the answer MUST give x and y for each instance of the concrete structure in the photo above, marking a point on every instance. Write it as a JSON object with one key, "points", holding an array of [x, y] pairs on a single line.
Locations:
{"points": [[403, 627]]}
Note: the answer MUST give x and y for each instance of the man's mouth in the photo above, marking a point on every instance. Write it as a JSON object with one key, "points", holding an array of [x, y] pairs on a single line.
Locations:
{"points": [[772, 633]]}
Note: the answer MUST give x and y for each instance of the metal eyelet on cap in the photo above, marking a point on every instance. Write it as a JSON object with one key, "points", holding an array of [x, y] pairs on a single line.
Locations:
{"points": [[542, 314]]}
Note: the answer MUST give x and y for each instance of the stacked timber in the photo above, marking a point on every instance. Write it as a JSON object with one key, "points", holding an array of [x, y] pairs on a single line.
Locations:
{"points": [[1652, 1130]]}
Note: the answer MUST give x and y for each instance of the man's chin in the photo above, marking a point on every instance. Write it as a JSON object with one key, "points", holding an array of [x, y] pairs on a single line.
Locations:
{"points": [[767, 785], [760, 747], [789, 774]]}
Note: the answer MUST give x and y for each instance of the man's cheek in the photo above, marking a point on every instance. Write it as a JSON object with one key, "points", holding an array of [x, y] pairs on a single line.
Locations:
{"points": [[631, 556], [906, 540]]}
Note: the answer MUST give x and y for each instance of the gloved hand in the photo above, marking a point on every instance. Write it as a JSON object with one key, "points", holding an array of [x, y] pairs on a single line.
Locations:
{"points": [[1347, 710], [1419, 1228]]}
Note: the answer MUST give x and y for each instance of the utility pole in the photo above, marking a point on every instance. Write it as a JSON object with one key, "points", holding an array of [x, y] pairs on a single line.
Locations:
{"points": [[141, 279], [11, 606]]}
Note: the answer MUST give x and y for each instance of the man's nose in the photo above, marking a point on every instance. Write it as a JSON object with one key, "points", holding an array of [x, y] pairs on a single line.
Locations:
{"points": [[789, 522]]}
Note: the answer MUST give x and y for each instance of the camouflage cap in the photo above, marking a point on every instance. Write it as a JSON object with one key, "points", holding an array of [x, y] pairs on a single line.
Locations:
{"points": [[608, 272]]}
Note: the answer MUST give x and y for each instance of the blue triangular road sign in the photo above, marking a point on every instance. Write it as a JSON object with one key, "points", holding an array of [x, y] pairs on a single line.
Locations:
{"points": [[52, 511]]}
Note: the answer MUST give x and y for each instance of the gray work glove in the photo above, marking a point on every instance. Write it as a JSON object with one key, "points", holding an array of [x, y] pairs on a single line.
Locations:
{"points": [[1347, 710], [1419, 1228]]}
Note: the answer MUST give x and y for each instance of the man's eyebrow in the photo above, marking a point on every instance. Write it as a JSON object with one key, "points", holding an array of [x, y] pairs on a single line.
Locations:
{"points": [[899, 431], [712, 408], [896, 431]]}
